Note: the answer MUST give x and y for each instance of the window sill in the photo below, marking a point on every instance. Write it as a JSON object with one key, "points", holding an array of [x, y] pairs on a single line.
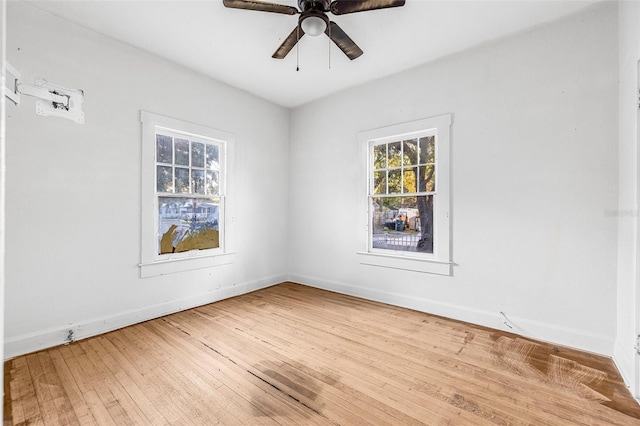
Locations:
{"points": [[428, 266], [170, 266]]}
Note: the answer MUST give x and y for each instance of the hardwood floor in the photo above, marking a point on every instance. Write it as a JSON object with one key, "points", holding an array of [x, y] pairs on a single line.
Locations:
{"points": [[294, 355]]}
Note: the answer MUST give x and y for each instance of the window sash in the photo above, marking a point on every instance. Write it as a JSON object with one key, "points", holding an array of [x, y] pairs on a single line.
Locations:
{"points": [[207, 172], [419, 165], [371, 236]]}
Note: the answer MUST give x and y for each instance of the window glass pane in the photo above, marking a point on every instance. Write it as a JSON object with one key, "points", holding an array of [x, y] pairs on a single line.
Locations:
{"points": [[427, 150], [187, 224], [197, 154], [394, 155], [213, 157], [395, 181], [409, 179], [164, 179], [182, 152], [213, 184], [164, 149], [182, 180], [380, 156], [197, 181], [410, 152], [380, 182], [427, 181], [396, 223]]}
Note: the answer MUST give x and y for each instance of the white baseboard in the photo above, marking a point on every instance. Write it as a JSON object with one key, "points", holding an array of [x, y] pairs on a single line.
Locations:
{"points": [[578, 339], [551, 333], [624, 362], [55, 336]]}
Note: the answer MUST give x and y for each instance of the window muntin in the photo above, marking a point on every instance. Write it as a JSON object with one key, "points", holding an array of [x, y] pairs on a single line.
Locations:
{"points": [[402, 187], [189, 200]]}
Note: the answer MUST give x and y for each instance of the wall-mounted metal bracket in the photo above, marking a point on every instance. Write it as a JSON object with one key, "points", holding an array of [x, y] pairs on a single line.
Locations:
{"points": [[56, 100], [52, 99]]}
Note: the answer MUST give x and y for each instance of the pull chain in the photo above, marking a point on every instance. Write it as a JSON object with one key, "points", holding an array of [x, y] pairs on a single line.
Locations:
{"points": [[298, 48]]}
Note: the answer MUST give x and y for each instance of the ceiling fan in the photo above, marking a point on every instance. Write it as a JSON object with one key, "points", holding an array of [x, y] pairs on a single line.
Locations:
{"points": [[314, 21]]}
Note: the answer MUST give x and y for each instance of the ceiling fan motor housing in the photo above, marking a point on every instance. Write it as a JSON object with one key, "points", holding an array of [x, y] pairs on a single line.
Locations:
{"points": [[316, 5]]}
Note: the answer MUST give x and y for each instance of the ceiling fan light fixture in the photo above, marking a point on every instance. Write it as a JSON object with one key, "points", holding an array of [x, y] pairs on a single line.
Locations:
{"points": [[313, 26]]}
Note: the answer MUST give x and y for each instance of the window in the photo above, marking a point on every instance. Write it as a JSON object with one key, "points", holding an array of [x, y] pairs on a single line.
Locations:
{"points": [[188, 192], [407, 196], [184, 202]]}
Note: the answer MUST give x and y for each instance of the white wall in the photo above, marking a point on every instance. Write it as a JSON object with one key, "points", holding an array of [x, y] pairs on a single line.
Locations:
{"points": [[73, 191], [627, 320], [3, 21], [534, 158]]}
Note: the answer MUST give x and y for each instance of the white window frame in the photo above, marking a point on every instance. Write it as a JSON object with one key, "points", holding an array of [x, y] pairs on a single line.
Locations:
{"points": [[152, 263], [439, 262]]}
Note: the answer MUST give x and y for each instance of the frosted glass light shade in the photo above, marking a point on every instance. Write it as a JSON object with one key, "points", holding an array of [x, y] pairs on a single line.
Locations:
{"points": [[313, 26]]}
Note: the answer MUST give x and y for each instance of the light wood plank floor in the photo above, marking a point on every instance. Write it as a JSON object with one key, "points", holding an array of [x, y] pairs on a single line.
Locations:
{"points": [[294, 355]]}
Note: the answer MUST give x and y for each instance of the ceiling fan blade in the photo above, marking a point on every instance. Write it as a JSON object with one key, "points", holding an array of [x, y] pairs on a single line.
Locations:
{"points": [[341, 7], [260, 6], [288, 43], [343, 41]]}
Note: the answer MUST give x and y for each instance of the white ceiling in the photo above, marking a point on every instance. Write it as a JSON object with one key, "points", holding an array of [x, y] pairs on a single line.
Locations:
{"points": [[235, 46]]}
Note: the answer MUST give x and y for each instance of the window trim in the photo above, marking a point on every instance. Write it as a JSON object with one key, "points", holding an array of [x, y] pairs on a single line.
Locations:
{"points": [[440, 261], [152, 263]]}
